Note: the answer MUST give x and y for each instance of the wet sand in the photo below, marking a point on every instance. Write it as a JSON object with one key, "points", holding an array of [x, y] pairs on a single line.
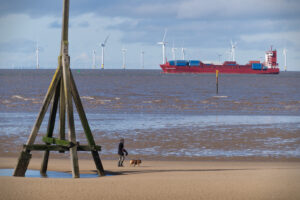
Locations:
{"points": [[159, 180]]}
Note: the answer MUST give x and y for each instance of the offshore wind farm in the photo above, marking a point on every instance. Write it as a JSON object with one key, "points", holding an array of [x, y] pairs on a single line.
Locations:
{"points": [[269, 66]]}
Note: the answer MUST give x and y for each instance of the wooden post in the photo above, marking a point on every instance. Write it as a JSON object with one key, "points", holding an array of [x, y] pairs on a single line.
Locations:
{"points": [[22, 164], [86, 126], [62, 89], [66, 84], [25, 156], [62, 110], [51, 124], [69, 109], [217, 81]]}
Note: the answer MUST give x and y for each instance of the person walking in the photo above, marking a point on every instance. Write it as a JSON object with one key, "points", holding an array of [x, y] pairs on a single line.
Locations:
{"points": [[122, 152]]}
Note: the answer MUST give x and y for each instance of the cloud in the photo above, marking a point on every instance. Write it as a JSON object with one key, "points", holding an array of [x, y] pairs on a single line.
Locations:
{"points": [[18, 46], [55, 24], [238, 10], [183, 9], [84, 24], [204, 27]]}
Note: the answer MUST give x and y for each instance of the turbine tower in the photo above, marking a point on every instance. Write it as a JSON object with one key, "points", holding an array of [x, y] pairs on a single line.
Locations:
{"points": [[183, 53], [284, 54], [163, 44], [37, 56], [142, 59], [233, 46], [102, 47], [124, 57], [94, 59], [174, 51]]}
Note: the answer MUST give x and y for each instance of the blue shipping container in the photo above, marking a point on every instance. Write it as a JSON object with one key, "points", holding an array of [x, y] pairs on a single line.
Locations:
{"points": [[181, 62], [194, 62], [172, 62], [256, 66]]}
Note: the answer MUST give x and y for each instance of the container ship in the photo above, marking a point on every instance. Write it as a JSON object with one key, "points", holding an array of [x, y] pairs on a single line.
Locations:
{"points": [[270, 66]]}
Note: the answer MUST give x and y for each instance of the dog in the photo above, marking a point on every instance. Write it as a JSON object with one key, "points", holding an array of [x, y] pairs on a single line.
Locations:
{"points": [[135, 162]]}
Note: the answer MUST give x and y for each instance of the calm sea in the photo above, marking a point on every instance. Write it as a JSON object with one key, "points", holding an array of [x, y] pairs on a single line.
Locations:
{"points": [[166, 116]]}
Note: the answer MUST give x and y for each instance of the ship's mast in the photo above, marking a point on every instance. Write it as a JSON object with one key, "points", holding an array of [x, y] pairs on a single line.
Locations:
{"points": [[233, 46]]}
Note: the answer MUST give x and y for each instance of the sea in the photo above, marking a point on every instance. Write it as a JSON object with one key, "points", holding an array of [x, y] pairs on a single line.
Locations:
{"points": [[164, 116]]}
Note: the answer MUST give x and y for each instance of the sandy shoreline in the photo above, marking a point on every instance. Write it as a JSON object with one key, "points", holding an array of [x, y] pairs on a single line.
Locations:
{"points": [[159, 180]]}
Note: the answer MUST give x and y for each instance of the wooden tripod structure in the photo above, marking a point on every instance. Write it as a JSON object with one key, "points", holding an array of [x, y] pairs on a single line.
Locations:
{"points": [[61, 91]]}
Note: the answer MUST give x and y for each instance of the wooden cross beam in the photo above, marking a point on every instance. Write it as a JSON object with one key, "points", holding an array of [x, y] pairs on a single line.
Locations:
{"points": [[62, 91]]}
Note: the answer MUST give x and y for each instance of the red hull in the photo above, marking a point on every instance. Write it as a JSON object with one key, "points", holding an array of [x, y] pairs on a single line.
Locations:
{"points": [[210, 68]]}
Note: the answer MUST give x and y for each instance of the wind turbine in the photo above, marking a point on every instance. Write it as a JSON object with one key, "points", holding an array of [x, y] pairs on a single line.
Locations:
{"points": [[174, 51], [102, 47], [233, 46], [183, 53], [142, 59], [37, 55], [94, 59], [284, 54], [124, 57], [163, 44]]}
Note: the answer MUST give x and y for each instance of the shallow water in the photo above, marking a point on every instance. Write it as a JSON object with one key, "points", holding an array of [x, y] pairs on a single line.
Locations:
{"points": [[50, 174], [165, 116], [149, 91]]}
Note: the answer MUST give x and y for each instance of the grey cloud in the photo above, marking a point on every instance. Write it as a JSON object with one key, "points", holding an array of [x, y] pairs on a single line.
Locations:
{"points": [[84, 24], [58, 24], [186, 9], [55, 24], [197, 23], [18, 46], [236, 9], [203, 33]]}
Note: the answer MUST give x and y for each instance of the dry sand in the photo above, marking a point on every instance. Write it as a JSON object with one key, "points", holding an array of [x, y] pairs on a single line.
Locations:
{"points": [[159, 180]]}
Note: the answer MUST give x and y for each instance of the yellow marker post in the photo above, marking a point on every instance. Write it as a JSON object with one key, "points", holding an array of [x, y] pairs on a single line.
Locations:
{"points": [[217, 81]]}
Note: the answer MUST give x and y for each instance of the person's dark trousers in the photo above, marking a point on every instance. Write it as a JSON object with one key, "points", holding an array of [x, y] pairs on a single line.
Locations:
{"points": [[121, 160]]}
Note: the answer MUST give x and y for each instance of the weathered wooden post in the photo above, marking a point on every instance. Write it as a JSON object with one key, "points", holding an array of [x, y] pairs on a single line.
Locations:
{"points": [[217, 81], [61, 91]]}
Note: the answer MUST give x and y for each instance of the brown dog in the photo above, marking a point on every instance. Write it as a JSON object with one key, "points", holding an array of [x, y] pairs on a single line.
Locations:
{"points": [[135, 162]]}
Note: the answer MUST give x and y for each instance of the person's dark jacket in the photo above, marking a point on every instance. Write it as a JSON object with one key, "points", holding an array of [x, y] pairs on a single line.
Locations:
{"points": [[121, 150]]}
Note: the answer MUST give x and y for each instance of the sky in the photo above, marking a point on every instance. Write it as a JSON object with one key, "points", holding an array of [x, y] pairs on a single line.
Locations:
{"points": [[204, 28]]}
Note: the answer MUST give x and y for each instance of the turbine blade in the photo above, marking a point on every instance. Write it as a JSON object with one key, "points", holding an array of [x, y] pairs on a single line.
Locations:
{"points": [[106, 39], [165, 35]]}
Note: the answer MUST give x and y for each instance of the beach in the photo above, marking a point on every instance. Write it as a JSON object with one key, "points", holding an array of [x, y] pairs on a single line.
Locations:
{"points": [[158, 180]]}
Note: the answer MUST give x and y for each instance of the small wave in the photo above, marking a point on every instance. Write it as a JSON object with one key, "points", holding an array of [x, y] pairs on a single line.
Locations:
{"points": [[87, 97], [205, 102], [6, 101], [37, 102], [147, 101], [158, 101], [103, 101], [220, 96], [22, 98], [117, 98], [17, 97]]}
